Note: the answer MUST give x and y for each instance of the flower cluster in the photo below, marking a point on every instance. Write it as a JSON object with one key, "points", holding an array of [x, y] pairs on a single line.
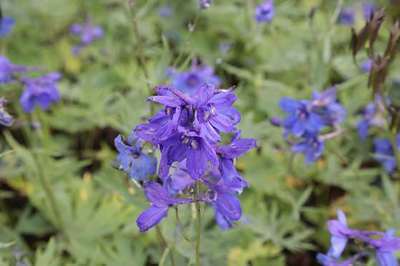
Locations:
{"points": [[265, 11], [306, 119], [190, 81], [382, 244], [6, 25], [5, 118], [87, 33], [41, 91], [188, 133]]}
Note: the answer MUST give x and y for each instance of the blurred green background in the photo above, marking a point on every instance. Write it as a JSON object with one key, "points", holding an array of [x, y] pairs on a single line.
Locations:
{"points": [[104, 92]]}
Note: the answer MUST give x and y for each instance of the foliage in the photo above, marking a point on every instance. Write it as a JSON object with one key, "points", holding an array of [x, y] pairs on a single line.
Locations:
{"points": [[104, 90]]}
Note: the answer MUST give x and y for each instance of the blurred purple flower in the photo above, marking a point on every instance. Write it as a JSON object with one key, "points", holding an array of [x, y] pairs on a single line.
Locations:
{"points": [[325, 105], [8, 70], [368, 10], [5, 118], [165, 11], [138, 165], [384, 153], [373, 115], [311, 146], [204, 4], [6, 25], [42, 91], [384, 244], [346, 16], [265, 12], [385, 248], [87, 33], [192, 80], [366, 65], [300, 119]]}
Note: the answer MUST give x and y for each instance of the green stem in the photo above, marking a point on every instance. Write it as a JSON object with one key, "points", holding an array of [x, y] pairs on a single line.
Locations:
{"points": [[198, 228], [140, 53], [164, 244], [44, 182]]}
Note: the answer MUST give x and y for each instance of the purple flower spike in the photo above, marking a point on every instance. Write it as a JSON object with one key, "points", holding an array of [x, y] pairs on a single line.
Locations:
{"points": [[87, 33], [5, 118], [187, 132], [138, 165], [265, 12], [160, 202], [346, 16], [6, 25], [8, 70], [42, 91], [204, 4]]}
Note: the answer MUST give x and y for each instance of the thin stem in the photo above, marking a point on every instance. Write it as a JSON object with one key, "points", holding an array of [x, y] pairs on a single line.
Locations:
{"points": [[44, 182], [198, 228], [140, 52], [164, 244]]}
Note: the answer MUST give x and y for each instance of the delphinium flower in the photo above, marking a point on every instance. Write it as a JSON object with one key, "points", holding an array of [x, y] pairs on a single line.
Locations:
{"points": [[204, 4], [8, 70], [6, 25], [373, 116], [382, 245], [5, 118], [346, 16], [368, 10], [265, 11], [41, 91], [306, 119], [190, 81], [87, 33], [131, 158], [384, 153], [195, 166]]}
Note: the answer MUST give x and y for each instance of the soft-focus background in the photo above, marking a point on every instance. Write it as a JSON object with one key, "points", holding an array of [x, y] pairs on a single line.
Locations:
{"points": [[104, 91]]}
